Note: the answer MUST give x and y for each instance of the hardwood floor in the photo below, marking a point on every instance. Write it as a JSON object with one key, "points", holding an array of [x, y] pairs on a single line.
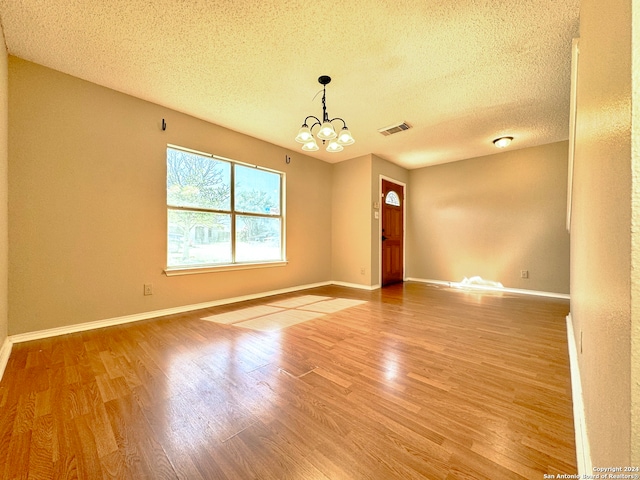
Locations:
{"points": [[418, 382]]}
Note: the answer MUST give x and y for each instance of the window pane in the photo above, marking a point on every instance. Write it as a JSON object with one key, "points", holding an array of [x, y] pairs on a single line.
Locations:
{"points": [[392, 198], [257, 191], [257, 239], [197, 238], [197, 181]]}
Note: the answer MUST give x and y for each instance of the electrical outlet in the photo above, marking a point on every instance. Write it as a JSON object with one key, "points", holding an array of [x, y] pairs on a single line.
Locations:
{"points": [[524, 273], [362, 270], [148, 289]]}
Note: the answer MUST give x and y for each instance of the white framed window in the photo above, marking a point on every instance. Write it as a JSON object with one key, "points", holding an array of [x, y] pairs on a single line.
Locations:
{"points": [[221, 212]]}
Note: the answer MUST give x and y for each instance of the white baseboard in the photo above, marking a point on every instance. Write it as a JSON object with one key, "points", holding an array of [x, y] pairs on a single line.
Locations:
{"points": [[425, 280], [82, 327], [5, 352], [355, 285], [503, 289], [583, 451]]}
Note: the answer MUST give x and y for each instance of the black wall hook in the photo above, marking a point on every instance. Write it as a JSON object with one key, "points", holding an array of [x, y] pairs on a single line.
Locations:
{"points": [[164, 125]]}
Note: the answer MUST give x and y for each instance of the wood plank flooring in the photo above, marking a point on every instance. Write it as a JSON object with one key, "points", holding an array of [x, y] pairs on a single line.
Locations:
{"points": [[418, 382]]}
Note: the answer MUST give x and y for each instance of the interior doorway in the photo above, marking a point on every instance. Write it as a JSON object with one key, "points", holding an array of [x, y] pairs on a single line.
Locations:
{"points": [[392, 232]]}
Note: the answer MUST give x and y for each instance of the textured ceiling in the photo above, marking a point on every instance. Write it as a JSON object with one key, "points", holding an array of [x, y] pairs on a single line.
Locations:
{"points": [[460, 72]]}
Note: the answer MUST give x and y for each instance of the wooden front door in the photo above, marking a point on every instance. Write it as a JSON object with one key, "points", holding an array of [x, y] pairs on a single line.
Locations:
{"points": [[392, 206]]}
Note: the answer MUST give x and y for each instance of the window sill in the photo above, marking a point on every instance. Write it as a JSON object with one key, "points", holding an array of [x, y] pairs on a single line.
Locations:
{"points": [[175, 271]]}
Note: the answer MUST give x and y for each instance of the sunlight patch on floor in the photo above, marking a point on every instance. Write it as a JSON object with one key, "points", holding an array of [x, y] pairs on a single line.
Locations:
{"points": [[244, 314], [333, 305], [296, 302], [278, 321], [285, 313]]}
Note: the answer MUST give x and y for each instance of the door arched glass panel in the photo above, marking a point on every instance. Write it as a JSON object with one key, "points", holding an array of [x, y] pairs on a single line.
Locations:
{"points": [[392, 198]]}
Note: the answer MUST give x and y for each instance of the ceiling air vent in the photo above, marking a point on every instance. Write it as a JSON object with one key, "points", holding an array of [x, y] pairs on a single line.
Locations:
{"points": [[391, 129]]}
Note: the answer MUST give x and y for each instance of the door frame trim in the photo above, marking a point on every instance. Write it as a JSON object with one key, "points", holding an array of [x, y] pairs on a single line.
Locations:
{"points": [[404, 227]]}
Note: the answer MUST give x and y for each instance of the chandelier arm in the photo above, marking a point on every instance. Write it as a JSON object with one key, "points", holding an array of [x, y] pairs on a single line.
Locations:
{"points": [[318, 122], [344, 124]]}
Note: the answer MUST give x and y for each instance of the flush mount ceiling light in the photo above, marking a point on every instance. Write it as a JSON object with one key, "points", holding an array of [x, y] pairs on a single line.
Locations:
{"points": [[502, 142], [337, 141]]}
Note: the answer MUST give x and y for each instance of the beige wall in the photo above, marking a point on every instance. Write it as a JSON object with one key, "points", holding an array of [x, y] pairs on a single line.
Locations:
{"points": [[355, 230], [492, 216], [4, 239], [351, 221], [87, 204], [601, 272]]}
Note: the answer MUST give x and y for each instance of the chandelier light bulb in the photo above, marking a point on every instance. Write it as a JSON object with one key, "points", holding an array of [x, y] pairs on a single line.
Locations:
{"points": [[327, 132], [334, 147], [310, 146], [345, 137], [304, 134]]}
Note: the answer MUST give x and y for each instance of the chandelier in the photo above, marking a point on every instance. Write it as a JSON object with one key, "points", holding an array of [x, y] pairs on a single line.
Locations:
{"points": [[326, 131]]}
